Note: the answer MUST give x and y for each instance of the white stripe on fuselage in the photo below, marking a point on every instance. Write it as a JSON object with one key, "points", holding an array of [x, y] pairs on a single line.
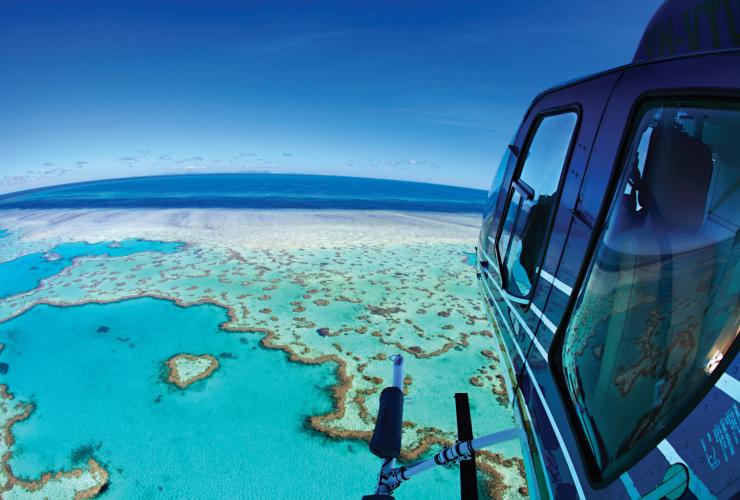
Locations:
{"points": [[730, 386], [566, 289], [556, 430], [521, 321], [545, 320], [549, 324], [510, 392]]}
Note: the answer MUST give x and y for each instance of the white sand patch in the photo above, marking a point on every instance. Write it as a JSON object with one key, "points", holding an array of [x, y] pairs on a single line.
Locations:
{"points": [[184, 369], [247, 229]]}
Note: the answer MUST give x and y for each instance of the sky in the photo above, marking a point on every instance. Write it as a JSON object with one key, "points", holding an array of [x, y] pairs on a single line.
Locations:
{"points": [[427, 91]]}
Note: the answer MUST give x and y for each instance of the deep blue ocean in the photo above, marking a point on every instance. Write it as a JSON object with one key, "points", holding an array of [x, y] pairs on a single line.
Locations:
{"points": [[266, 191]]}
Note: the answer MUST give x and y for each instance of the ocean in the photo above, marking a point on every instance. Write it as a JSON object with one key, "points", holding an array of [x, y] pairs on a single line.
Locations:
{"points": [[263, 191]]}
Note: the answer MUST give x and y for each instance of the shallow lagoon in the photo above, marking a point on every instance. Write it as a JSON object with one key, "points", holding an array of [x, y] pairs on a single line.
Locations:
{"points": [[241, 432], [24, 273]]}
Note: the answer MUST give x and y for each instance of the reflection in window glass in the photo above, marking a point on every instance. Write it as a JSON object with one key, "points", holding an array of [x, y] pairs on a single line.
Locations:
{"points": [[528, 216], [659, 307], [494, 203], [511, 216]]}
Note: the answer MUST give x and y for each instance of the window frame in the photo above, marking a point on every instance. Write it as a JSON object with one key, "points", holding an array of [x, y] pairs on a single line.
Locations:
{"points": [[595, 478], [489, 236], [514, 186]]}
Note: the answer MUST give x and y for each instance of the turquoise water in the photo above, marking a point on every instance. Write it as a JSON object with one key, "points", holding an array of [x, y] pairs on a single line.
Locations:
{"points": [[238, 434], [95, 372], [25, 273]]}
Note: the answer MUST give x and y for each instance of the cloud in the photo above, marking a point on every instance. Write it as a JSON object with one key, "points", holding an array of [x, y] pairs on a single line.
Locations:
{"points": [[193, 159], [15, 179], [294, 43]]}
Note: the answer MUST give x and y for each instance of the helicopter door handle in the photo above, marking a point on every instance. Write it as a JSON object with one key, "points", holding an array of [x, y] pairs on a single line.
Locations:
{"points": [[523, 189]]}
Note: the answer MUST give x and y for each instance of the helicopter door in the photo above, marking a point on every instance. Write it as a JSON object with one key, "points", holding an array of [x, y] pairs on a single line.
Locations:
{"points": [[538, 210], [561, 227], [518, 246], [671, 238]]}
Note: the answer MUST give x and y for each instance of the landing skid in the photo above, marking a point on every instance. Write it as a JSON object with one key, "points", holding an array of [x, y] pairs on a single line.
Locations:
{"points": [[386, 443]]}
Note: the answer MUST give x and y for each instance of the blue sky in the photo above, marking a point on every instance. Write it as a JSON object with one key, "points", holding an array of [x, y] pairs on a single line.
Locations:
{"points": [[428, 91]]}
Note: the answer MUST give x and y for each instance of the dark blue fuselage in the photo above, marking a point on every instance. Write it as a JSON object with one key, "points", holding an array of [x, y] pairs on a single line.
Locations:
{"points": [[545, 302]]}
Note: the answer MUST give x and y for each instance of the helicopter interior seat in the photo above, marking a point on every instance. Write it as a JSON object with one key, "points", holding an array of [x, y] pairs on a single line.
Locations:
{"points": [[647, 343], [722, 231], [678, 177], [725, 195]]}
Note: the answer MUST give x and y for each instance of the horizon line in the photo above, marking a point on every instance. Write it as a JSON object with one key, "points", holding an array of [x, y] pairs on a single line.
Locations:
{"points": [[191, 174]]}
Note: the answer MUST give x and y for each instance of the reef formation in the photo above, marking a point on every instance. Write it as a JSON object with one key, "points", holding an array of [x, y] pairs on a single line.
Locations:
{"points": [[186, 369], [348, 300]]}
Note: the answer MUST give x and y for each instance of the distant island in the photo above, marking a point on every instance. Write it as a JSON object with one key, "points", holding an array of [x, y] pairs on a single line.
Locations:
{"points": [[186, 369]]}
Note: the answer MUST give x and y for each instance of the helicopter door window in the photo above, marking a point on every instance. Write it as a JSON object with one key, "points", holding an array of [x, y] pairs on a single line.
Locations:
{"points": [[532, 203], [658, 312], [494, 204]]}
